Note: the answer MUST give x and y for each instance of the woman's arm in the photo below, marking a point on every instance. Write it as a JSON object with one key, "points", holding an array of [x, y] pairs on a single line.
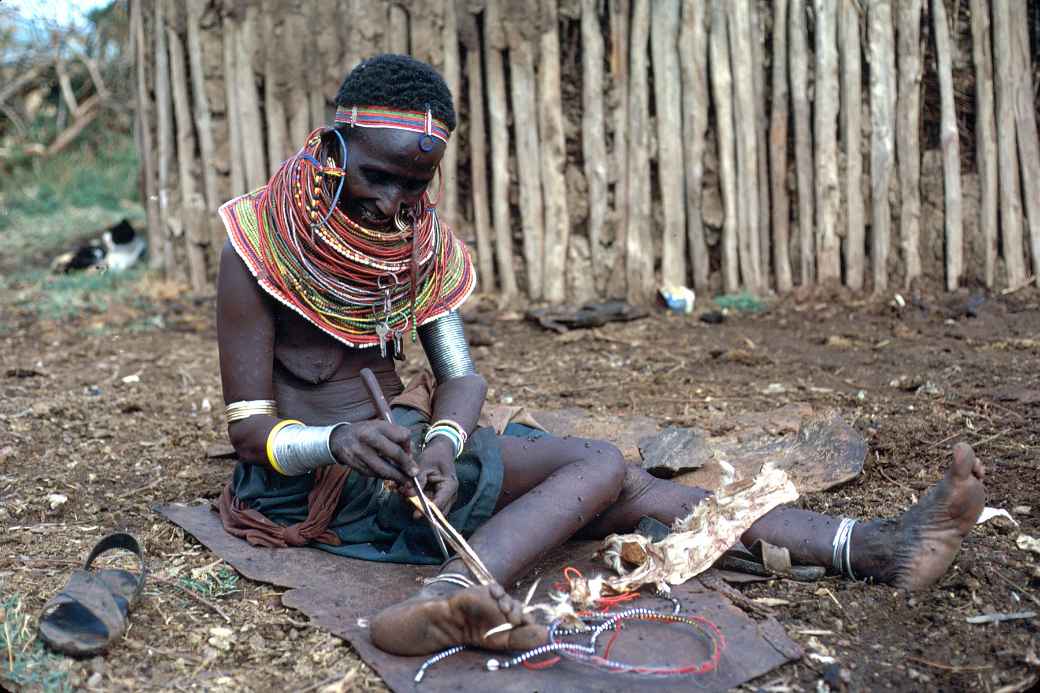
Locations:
{"points": [[245, 335]]}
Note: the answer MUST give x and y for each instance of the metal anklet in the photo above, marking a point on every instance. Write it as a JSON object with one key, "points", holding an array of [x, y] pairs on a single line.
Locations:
{"points": [[453, 578], [841, 555]]}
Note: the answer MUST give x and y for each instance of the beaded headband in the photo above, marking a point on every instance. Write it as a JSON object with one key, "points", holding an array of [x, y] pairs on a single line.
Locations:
{"points": [[413, 121]]}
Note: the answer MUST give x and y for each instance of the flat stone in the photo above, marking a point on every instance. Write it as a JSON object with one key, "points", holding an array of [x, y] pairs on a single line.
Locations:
{"points": [[673, 451]]}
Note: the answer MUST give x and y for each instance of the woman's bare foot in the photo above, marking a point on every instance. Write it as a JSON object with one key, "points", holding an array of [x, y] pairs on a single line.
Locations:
{"points": [[915, 550], [443, 615]]}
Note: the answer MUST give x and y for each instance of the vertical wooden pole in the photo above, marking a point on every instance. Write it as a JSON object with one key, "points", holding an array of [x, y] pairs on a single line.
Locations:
{"points": [[237, 173], [1025, 125], [693, 60], [739, 23], [249, 101], [985, 133], [762, 148], [315, 73], [195, 236], [529, 179], [165, 133], [1010, 198], [639, 248], [803, 140], [144, 129], [274, 88], [397, 36], [722, 91], [450, 163], [825, 111], [204, 127], [617, 283], [851, 135], [297, 102], [882, 119], [494, 43], [593, 136], [908, 24], [664, 49], [951, 152], [469, 35], [781, 203], [553, 159]]}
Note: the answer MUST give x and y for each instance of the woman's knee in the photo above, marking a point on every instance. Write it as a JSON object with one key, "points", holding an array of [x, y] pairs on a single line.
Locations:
{"points": [[609, 464]]}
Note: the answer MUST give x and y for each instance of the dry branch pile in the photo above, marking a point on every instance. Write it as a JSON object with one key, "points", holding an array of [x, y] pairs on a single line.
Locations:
{"points": [[607, 147]]}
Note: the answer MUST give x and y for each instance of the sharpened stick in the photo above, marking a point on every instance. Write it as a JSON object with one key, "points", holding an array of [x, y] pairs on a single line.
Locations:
{"points": [[376, 393]]}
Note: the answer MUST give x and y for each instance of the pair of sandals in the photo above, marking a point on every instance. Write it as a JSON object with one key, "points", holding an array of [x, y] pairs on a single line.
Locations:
{"points": [[92, 611]]}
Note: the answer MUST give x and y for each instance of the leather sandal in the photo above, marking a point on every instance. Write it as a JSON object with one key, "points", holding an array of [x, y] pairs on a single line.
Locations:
{"points": [[92, 611]]}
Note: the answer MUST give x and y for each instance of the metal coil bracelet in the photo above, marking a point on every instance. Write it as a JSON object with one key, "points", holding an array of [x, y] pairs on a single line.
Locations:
{"points": [[444, 342]]}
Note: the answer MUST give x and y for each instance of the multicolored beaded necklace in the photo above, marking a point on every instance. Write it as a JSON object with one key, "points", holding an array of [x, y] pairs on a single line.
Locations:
{"points": [[363, 287]]}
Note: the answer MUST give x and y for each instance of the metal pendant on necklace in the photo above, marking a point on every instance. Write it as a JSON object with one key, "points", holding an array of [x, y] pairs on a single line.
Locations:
{"points": [[382, 331]]}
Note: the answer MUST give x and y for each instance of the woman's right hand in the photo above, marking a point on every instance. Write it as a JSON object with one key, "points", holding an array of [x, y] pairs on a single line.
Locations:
{"points": [[375, 448]]}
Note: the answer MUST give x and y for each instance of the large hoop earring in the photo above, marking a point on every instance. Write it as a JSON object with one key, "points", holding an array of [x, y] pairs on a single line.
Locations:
{"points": [[440, 188]]}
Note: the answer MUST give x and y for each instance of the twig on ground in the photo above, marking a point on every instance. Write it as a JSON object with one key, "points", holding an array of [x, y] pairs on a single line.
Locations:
{"points": [[991, 438], [1025, 594], [997, 618], [191, 593], [955, 668], [944, 440], [1012, 289]]}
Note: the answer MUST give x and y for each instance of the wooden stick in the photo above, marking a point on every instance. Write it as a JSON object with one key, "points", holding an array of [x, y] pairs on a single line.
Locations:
{"points": [[195, 237], [593, 141], [246, 39], [985, 133], [204, 127], [825, 112], [803, 140], [762, 148], [469, 35], [528, 155], [664, 51], [882, 119], [144, 131], [617, 282], [449, 205], [274, 89], [497, 106], [639, 249], [950, 149], [553, 160], [908, 148], [1010, 196], [237, 176], [851, 137], [171, 268], [781, 203], [397, 35], [693, 61], [722, 90], [739, 21], [1025, 125]]}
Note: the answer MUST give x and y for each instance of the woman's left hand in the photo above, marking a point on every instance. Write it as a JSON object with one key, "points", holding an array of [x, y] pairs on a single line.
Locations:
{"points": [[437, 475]]}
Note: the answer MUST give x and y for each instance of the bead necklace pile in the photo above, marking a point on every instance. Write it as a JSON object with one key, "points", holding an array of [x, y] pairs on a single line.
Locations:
{"points": [[594, 625], [363, 287]]}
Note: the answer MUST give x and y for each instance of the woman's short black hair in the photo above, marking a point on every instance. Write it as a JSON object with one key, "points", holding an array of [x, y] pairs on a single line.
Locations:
{"points": [[398, 81]]}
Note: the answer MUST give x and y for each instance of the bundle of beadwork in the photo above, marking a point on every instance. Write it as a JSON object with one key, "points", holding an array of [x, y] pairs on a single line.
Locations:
{"points": [[362, 286], [594, 626]]}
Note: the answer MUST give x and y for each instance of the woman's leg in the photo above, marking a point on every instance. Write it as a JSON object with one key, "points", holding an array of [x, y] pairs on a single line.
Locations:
{"points": [[551, 488]]}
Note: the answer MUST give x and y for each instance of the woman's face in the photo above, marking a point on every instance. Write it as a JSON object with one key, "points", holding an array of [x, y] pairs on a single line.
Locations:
{"points": [[386, 170]]}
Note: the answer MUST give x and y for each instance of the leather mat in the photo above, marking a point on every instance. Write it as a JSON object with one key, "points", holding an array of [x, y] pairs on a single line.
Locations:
{"points": [[339, 594]]}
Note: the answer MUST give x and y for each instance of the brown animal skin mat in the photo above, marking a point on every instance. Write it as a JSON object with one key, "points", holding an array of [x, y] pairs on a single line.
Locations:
{"points": [[340, 594]]}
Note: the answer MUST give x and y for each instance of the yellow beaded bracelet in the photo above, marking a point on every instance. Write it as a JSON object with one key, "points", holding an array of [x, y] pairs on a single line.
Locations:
{"points": [[270, 442]]}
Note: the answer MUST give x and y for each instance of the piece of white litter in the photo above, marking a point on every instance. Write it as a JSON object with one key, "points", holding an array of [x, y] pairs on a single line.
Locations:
{"points": [[1022, 509], [362, 623], [997, 618], [1028, 543], [56, 500], [135, 378], [989, 513], [771, 601]]}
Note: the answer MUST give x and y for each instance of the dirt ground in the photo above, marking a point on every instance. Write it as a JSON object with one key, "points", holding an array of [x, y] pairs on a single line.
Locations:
{"points": [[114, 410]]}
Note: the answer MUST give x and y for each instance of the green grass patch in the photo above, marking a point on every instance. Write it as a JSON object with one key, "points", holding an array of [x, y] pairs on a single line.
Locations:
{"points": [[64, 296], [45, 202], [24, 661], [213, 585]]}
